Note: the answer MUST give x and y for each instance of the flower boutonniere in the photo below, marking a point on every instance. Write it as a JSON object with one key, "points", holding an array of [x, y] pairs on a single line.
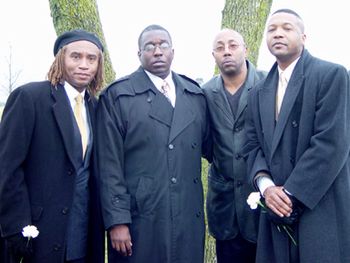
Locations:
{"points": [[29, 232], [254, 200]]}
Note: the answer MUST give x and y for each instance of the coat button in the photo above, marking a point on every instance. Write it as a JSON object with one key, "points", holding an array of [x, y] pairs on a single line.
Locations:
{"points": [[115, 200], [194, 145], [56, 247], [294, 124], [70, 171], [195, 180], [198, 214], [173, 180], [171, 146], [239, 183], [65, 210], [238, 129], [238, 156]]}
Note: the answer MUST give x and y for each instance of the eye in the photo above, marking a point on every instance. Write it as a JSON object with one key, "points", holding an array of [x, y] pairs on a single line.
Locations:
{"points": [[233, 46], [164, 46], [149, 48], [219, 48], [92, 59]]}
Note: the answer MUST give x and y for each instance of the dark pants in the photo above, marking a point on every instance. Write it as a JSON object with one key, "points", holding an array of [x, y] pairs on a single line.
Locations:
{"points": [[237, 250]]}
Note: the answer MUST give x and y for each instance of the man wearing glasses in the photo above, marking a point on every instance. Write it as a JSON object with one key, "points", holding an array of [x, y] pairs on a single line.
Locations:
{"points": [[152, 131], [231, 221]]}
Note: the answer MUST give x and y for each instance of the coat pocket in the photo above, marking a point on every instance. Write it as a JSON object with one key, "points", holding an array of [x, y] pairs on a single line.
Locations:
{"points": [[144, 195], [220, 207], [36, 212]]}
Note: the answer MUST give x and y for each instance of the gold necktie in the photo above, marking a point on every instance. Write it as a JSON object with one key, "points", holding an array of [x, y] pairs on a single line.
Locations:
{"points": [[165, 90], [78, 114], [281, 90]]}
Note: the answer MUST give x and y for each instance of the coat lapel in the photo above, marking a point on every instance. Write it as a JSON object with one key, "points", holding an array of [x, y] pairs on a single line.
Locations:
{"points": [[160, 110], [63, 114], [221, 101], [267, 108], [183, 113], [292, 91]]}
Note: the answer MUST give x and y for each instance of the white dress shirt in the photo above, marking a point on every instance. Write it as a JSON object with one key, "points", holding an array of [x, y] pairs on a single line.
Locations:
{"points": [[158, 82]]}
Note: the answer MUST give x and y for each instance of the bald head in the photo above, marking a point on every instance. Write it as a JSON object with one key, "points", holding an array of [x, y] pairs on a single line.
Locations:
{"points": [[228, 33], [229, 52]]}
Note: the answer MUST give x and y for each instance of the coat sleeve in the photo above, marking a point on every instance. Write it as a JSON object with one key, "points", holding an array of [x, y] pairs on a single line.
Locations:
{"points": [[328, 149], [115, 199], [15, 137], [252, 151]]}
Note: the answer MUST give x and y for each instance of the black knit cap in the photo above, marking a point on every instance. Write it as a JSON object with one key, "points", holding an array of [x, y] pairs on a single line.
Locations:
{"points": [[76, 35]]}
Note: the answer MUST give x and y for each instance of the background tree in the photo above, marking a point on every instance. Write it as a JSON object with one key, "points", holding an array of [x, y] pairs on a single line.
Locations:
{"points": [[72, 14], [248, 17], [11, 76]]}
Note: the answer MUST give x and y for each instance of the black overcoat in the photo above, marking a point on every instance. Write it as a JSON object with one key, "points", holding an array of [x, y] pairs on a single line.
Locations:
{"points": [[307, 152], [150, 167], [38, 171], [228, 184]]}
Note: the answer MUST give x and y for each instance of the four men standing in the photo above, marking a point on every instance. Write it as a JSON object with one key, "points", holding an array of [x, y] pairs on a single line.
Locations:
{"points": [[153, 127]]}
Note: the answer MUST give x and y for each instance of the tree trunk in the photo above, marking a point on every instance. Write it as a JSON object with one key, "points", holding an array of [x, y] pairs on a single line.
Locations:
{"points": [[83, 14], [248, 17]]}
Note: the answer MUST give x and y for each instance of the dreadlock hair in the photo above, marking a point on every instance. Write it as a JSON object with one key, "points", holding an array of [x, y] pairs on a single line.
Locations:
{"points": [[57, 71]]}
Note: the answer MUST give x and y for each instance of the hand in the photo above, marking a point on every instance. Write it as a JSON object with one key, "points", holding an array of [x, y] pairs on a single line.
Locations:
{"points": [[297, 209], [121, 239], [19, 245], [278, 201]]}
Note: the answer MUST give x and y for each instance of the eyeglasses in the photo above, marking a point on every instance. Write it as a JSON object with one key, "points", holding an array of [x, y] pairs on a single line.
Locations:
{"points": [[231, 47], [152, 47]]}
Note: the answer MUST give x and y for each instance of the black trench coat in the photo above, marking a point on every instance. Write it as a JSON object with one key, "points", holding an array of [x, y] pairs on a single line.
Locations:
{"points": [[150, 167]]}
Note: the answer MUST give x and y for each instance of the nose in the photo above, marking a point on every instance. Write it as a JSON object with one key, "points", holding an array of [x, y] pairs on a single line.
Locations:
{"points": [[278, 32], [158, 51], [84, 63]]}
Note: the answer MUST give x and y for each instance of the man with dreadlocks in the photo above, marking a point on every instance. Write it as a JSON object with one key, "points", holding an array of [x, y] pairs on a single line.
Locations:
{"points": [[46, 173]]}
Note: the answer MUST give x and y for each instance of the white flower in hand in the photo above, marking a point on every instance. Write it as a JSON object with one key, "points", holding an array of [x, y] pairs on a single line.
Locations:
{"points": [[254, 200], [30, 231]]}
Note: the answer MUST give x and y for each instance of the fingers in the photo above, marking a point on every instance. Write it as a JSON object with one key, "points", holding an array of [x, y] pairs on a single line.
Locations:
{"points": [[121, 239], [277, 200]]}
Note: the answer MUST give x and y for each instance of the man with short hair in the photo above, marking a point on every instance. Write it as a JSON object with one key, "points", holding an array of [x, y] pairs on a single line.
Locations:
{"points": [[152, 130], [46, 138], [298, 123], [231, 222]]}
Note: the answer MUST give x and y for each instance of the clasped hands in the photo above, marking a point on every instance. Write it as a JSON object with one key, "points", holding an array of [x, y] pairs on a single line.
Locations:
{"points": [[282, 208]]}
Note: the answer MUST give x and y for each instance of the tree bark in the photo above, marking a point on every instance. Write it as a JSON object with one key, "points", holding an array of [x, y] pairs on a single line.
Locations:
{"points": [[83, 14], [248, 17]]}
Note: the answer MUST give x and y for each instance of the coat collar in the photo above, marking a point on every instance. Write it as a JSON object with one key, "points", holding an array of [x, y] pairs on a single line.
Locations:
{"points": [[267, 105], [221, 99], [64, 117]]}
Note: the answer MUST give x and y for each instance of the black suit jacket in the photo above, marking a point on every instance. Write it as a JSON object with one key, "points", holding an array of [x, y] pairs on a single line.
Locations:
{"points": [[37, 168]]}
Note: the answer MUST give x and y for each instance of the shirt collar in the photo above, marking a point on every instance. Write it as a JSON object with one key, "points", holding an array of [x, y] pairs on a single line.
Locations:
{"points": [[158, 82], [289, 70], [72, 92]]}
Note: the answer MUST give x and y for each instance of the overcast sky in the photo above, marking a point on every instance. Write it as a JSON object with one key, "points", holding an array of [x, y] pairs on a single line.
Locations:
{"points": [[26, 27]]}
